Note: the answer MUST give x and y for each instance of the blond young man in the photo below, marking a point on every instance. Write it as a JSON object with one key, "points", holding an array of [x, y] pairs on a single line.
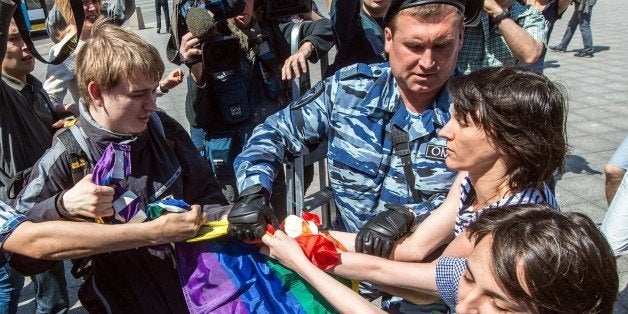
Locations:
{"points": [[118, 73]]}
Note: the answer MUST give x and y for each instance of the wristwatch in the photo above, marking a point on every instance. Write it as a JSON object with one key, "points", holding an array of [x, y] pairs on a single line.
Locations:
{"points": [[501, 16]]}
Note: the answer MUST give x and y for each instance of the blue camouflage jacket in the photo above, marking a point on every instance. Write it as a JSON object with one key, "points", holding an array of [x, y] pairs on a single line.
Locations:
{"points": [[354, 111]]}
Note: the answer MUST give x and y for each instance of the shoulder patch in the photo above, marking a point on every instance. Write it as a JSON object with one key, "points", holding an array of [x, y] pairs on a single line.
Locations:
{"points": [[357, 70], [312, 94]]}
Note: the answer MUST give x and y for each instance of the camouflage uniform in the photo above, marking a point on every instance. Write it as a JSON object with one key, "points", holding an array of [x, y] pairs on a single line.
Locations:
{"points": [[354, 111]]}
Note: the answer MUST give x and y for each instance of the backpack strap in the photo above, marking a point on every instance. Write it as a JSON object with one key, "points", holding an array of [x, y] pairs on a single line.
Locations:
{"points": [[156, 121], [401, 141], [159, 125], [76, 147], [17, 182]]}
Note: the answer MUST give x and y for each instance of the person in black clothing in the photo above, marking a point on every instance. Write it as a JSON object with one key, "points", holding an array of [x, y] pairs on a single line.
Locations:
{"points": [[358, 32], [118, 73]]}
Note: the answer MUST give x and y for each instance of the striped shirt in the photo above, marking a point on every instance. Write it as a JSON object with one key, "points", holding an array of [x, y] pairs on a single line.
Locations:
{"points": [[467, 214]]}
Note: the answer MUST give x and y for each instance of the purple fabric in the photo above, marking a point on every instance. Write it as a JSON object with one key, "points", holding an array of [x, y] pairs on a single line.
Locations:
{"points": [[126, 213], [104, 170], [206, 286], [112, 168]]}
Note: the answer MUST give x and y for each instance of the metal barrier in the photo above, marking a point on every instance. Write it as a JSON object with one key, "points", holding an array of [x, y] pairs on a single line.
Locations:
{"points": [[297, 201]]}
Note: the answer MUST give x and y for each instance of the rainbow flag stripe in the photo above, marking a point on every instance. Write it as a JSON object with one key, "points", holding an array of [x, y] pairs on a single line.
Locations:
{"points": [[226, 276]]}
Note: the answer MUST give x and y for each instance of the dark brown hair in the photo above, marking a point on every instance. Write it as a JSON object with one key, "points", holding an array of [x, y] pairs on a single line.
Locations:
{"points": [[564, 261], [523, 112]]}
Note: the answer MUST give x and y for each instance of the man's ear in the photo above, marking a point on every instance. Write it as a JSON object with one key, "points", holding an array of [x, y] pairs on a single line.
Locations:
{"points": [[387, 39], [95, 93], [461, 38]]}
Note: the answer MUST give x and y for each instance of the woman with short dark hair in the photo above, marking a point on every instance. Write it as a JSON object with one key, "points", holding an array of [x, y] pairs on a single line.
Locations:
{"points": [[506, 137], [542, 260]]}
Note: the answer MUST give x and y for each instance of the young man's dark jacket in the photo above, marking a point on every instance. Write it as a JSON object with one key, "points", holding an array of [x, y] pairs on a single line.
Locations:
{"points": [[142, 280]]}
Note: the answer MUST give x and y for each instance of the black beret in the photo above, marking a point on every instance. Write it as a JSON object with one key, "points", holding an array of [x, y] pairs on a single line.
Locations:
{"points": [[471, 8]]}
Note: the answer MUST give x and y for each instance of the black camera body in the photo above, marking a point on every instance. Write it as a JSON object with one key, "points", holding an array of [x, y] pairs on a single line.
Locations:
{"points": [[221, 54], [276, 9]]}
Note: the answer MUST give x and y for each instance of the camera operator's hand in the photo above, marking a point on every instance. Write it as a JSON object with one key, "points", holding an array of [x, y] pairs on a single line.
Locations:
{"points": [[379, 234], [250, 214], [296, 64], [191, 53]]}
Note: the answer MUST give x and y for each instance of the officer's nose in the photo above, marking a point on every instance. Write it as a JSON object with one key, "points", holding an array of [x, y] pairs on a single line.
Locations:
{"points": [[427, 59]]}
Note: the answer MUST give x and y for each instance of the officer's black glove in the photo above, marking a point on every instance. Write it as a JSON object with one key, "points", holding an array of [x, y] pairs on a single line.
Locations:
{"points": [[250, 214], [379, 234]]}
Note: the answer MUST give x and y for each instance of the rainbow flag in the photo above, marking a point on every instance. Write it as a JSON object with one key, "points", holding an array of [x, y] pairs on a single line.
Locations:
{"points": [[228, 276]]}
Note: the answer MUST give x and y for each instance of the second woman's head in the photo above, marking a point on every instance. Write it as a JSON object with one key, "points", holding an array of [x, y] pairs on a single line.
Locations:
{"points": [[533, 259], [510, 118]]}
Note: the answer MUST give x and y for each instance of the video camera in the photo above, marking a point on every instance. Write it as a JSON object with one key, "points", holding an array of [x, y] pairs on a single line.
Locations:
{"points": [[208, 21]]}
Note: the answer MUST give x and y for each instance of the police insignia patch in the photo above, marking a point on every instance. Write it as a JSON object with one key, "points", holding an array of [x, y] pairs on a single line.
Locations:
{"points": [[314, 92], [436, 152]]}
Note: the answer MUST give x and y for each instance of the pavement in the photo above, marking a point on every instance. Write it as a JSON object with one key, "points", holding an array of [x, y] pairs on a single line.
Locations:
{"points": [[597, 118]]}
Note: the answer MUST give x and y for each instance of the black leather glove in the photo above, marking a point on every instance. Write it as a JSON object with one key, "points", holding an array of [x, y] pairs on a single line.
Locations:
{"points": [[379, 234], [250, 214]]}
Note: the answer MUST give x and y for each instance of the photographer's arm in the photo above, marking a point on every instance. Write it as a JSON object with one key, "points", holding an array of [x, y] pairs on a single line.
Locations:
{"points": [[527, 45]]}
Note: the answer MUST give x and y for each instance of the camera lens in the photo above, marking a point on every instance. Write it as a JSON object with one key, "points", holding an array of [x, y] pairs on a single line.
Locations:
{"points": [[221, 54]]}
